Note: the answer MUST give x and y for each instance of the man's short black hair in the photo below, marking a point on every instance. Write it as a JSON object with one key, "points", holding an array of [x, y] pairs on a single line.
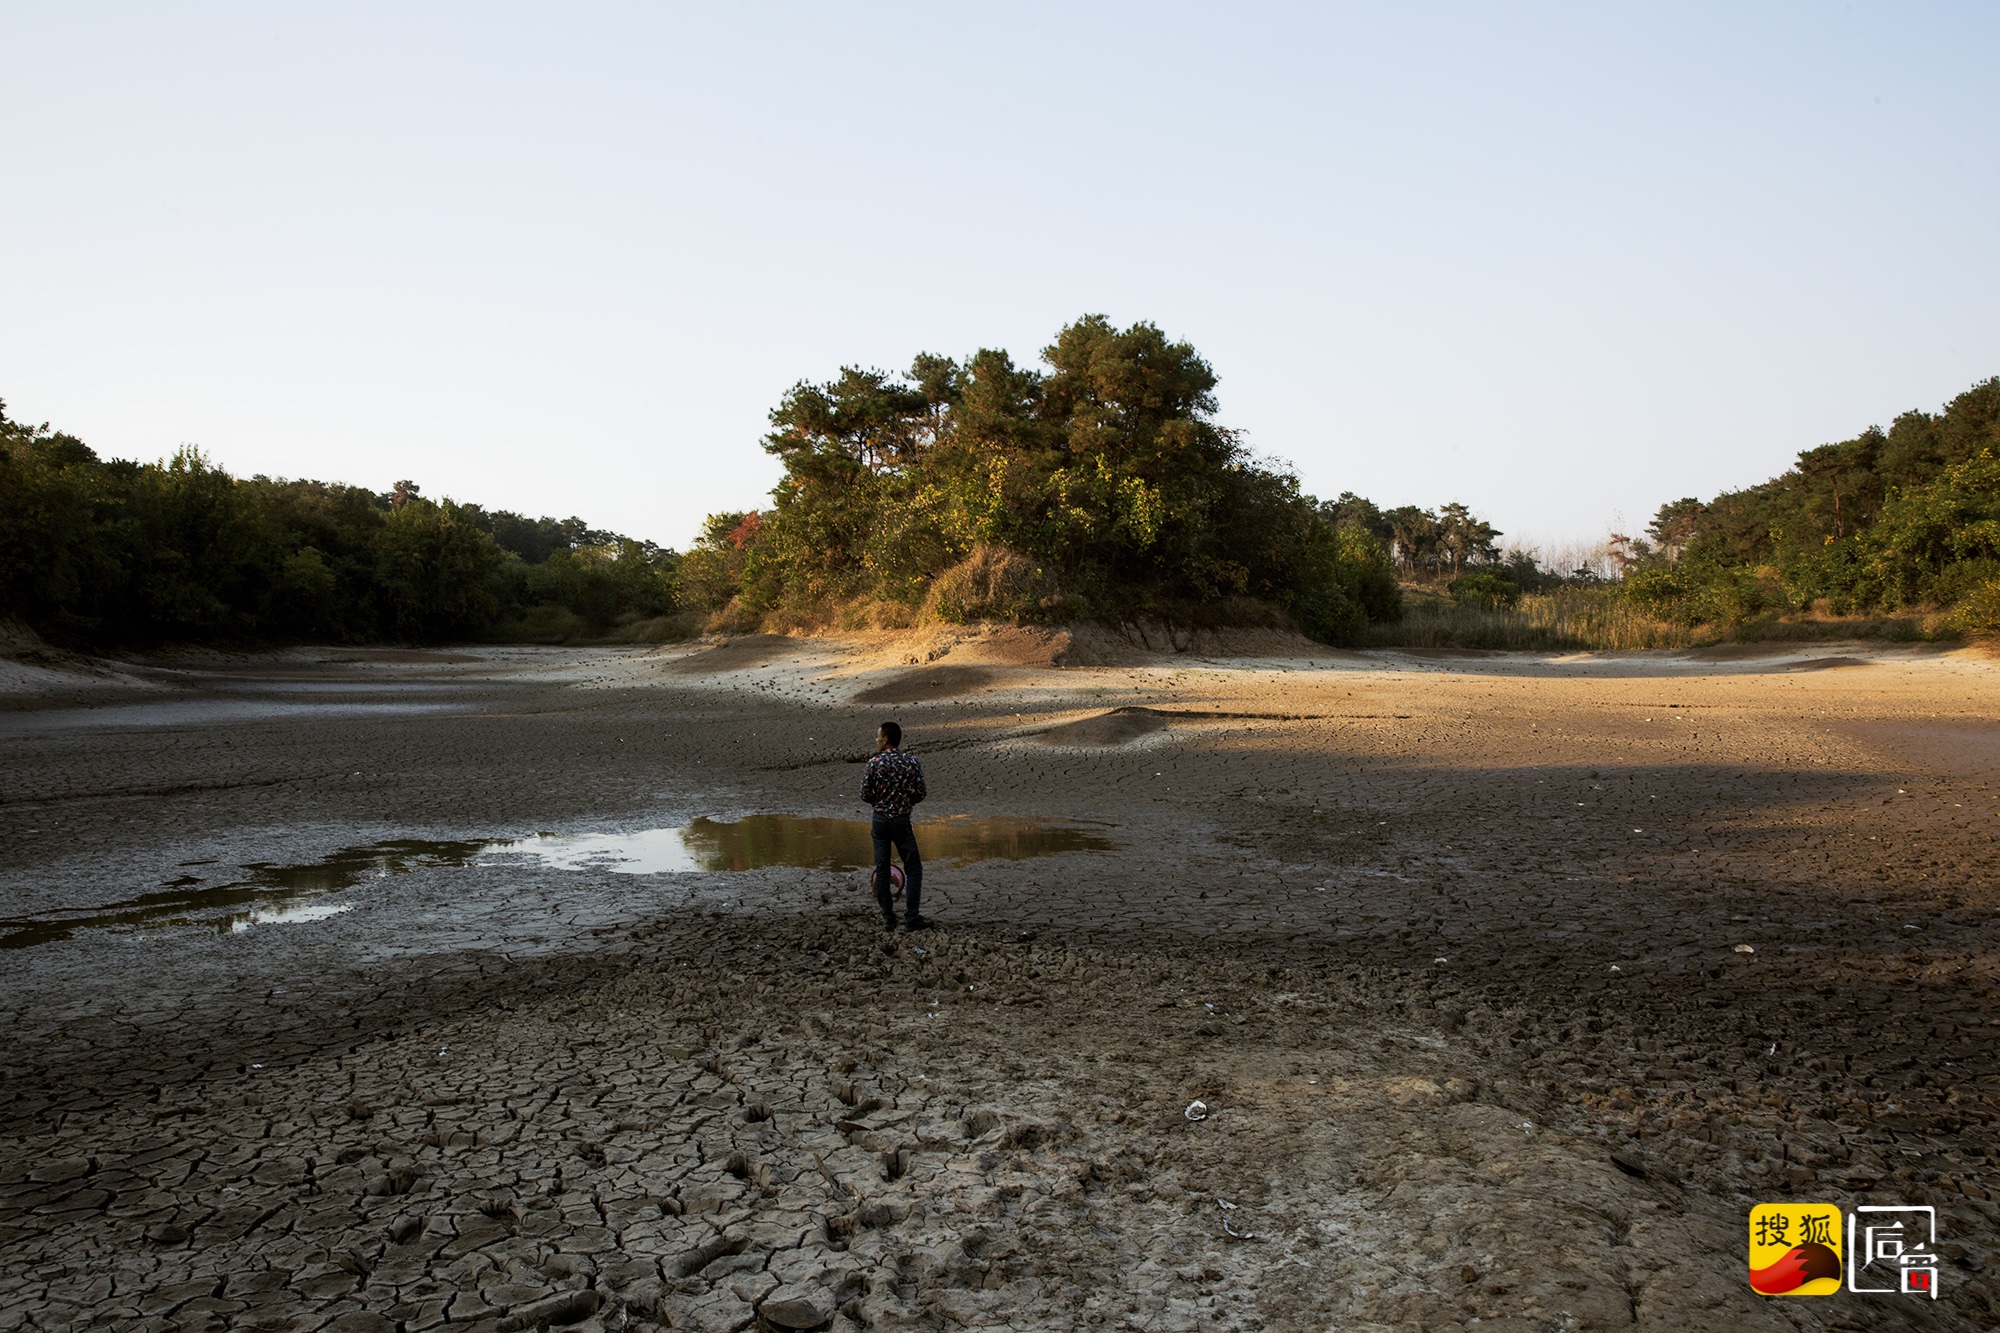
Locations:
{"points": [[893, 732]]}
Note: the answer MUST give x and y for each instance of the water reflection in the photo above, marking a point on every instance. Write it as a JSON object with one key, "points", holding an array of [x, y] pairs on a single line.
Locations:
{"points": [[287, 912], [757, 841], [263, 892]]}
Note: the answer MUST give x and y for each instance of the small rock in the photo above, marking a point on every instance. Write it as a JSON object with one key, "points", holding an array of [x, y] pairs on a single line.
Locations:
{"points": [[797, 1306], [167, 1233], [1746, 948]]}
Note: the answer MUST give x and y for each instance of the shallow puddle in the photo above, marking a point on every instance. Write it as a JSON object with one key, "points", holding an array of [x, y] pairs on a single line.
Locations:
{"points": [[266, 893], [256, 893], [797, 840]]}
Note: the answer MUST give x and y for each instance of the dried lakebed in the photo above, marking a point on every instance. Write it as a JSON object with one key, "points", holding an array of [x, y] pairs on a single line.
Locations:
{"points": [[1450, 958]]}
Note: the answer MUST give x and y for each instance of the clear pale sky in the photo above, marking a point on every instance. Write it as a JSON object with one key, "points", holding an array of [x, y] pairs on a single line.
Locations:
{"points": [[1562, 263]]}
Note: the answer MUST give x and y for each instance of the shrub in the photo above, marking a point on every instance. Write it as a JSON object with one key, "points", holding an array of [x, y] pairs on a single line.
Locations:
{"points": [[1483, 590], [1978, 609], [1328, 613], [1692, 593], [993, 583]]}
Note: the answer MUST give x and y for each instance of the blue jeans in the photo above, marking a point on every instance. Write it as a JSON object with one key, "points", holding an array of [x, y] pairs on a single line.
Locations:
{"points": [[895, 829]]}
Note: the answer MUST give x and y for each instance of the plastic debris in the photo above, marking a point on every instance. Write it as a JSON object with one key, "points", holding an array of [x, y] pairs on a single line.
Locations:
{"points": [[1746, 948], [1196, 1111]]}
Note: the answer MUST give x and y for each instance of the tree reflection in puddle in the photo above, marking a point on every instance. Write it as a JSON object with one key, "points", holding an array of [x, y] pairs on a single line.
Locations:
{"points": [[757, 841], [268, 893], [264, 892]]}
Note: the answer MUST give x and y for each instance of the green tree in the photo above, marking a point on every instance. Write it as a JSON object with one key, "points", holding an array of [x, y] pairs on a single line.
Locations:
{"points": [[1926, 532], [1353, 511], [436, 571], [1675, 525], [1885, 519], [1465, 538], [712, 572], [1418, 539], [52, 499], [1104, 477], [598, 584]]}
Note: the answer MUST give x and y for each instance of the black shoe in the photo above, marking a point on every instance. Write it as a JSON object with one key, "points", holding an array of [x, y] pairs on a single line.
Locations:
{"points": [[889, 924], [918, 923]]}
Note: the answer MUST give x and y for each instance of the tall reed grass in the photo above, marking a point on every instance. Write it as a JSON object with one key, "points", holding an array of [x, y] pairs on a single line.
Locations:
{"points": [[1567, 618], [1600, 619]]}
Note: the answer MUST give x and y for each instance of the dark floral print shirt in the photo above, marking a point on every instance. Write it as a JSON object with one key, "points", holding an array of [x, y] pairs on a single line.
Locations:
{"points": [[893, 783]]}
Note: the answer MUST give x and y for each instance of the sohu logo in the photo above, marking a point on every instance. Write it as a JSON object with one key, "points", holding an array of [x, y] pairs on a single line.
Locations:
{"points": [[1795, 1249], [1800, 1249]]}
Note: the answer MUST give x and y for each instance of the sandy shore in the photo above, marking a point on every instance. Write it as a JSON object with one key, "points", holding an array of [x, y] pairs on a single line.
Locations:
{"points": [[1449, 947]]}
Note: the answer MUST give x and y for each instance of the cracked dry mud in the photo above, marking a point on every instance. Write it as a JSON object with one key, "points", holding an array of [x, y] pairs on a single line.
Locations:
{"points": [[1447, 947]]}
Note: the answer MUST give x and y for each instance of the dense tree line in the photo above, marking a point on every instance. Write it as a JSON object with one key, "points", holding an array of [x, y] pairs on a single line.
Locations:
{"points": [[1432, 544], [1099, 487], [1096, 486], [104, 550], [1903, 518]]}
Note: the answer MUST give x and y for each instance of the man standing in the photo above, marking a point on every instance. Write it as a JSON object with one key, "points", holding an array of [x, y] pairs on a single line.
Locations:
{"points": [[893, 784]]}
